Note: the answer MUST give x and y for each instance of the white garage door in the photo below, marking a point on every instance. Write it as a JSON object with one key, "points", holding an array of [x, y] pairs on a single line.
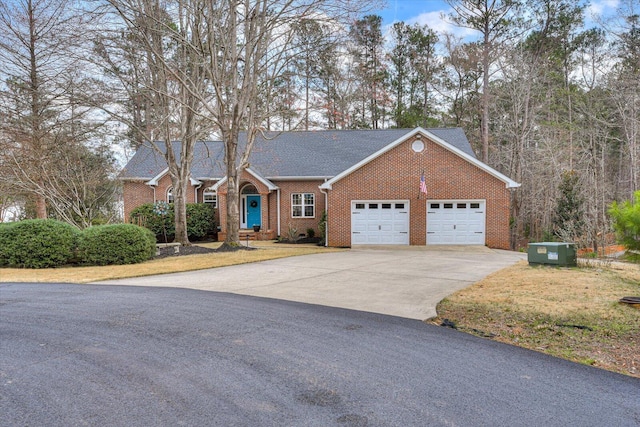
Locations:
{"points": [[455, 222], [380, 222]]}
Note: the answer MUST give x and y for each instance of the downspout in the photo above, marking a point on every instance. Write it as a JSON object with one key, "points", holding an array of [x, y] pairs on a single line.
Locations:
{"points": [[326, 208], [195, 193], [153, 187], [278, 208]]}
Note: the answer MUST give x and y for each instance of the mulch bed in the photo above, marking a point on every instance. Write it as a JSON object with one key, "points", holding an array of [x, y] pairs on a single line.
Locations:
{"points": [[183, 250], [301, 240], [170, 251]]}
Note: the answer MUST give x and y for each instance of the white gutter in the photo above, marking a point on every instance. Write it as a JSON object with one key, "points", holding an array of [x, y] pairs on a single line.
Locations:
{"points": [[326, 208], [267, 183], [299, 178], [155, 179], [278, 208]]}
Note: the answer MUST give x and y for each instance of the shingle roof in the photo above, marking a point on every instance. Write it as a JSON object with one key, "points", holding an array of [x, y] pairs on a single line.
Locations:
{"points": [[323, 153]]}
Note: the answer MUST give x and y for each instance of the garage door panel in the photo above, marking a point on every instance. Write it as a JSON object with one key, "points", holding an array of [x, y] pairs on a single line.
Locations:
{"points": [[360, 227], [386, 227], [399, 226], [456, 222], [382, 222]]}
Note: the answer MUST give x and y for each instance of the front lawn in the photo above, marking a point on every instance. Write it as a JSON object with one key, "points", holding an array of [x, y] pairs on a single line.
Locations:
{"points": [[173, 264], [573, 313]]}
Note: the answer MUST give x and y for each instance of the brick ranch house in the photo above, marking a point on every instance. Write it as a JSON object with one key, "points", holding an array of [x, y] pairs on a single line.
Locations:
{"points": [[368, 181]]}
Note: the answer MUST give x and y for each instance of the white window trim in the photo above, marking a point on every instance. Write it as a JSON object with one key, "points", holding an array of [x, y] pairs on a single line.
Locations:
{"points": [[303, 205], [170, 194], [212, 193]]}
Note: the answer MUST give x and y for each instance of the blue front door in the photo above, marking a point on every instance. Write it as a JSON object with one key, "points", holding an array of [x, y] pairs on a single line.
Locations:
{"points": [[254, 216]]}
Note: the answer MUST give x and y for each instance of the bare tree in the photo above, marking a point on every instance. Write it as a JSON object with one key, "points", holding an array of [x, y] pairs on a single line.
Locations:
{"points": [[160, 68], [624, 80], [460, 86], [211, 66], [492, 18], [249, 45], [367, 51], [44, 125]]}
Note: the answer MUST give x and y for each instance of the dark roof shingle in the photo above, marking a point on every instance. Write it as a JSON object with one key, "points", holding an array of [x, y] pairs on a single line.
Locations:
{"points": [[323, 153]]}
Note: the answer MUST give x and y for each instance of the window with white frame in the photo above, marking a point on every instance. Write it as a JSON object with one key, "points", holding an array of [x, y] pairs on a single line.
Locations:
{"points": [[210, 197], [303, 205], [170, 195]]}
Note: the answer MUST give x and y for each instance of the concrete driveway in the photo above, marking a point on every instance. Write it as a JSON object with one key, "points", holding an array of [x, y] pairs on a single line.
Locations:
{"points": [[399, 281]]}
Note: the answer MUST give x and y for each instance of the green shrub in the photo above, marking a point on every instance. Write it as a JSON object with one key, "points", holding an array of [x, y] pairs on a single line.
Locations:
{"points": [[116, 244], [40, 243], [6, 240], [322, 228], [200, 220], [160, 225], [626, 222]]}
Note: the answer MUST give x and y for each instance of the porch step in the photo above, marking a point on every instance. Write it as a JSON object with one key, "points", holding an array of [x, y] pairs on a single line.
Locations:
{"points": [[247, 235], [250, 235]]}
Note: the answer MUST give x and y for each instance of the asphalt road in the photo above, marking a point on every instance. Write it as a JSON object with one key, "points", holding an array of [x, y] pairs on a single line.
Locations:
{"points": [[75, 355]]}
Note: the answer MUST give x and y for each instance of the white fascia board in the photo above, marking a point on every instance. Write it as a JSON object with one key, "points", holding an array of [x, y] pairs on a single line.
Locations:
{"points": [[154, 181], [491, 171], [328, 185], [299, 178], [509, 182], [217, 185], [270, 185], [133, 179]]}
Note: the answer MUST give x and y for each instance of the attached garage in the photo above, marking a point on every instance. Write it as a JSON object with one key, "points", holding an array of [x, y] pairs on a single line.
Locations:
{"points": [[456, 222], [420, 189], [380, 222]]}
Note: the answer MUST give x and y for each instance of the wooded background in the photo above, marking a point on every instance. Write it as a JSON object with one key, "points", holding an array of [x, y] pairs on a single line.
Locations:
{"points": [[544, 99]]}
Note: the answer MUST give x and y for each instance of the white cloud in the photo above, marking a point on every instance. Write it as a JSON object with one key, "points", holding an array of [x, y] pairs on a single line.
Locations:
{"points": [[440, 24], [602, 7]]}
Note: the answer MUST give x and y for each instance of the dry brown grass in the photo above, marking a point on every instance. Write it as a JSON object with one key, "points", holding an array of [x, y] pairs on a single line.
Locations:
{"points": [[265, 251], [568, 312]]}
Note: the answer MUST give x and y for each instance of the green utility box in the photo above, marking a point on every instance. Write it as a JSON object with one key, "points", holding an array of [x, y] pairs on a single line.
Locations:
{"points": [[552, 253]]}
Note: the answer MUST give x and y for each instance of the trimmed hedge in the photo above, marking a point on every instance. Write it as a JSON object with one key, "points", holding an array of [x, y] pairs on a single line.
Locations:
{"points": [[38, 243], [144, 216], [116, 244], [6, 240], [200, 220]]}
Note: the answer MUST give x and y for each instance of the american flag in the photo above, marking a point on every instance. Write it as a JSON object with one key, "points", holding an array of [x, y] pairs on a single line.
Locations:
{"points": [[423, 184]]}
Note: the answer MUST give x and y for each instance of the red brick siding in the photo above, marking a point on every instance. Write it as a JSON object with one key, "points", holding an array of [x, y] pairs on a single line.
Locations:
{"points": [[396, 176], [136, 193], [287, 188], [393, 176], [270, 204], [267, 202]]}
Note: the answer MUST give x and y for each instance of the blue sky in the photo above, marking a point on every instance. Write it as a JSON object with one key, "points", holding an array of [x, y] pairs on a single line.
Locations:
{"points": [[429, 12]]}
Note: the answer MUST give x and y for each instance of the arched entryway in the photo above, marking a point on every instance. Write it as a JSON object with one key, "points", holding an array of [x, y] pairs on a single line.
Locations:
{"points": [[250, 207]]}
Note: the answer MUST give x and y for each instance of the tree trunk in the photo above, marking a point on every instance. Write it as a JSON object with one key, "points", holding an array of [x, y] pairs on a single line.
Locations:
{"points": [[180, 185], [41, 207], [484, 121], [233, 189]]}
